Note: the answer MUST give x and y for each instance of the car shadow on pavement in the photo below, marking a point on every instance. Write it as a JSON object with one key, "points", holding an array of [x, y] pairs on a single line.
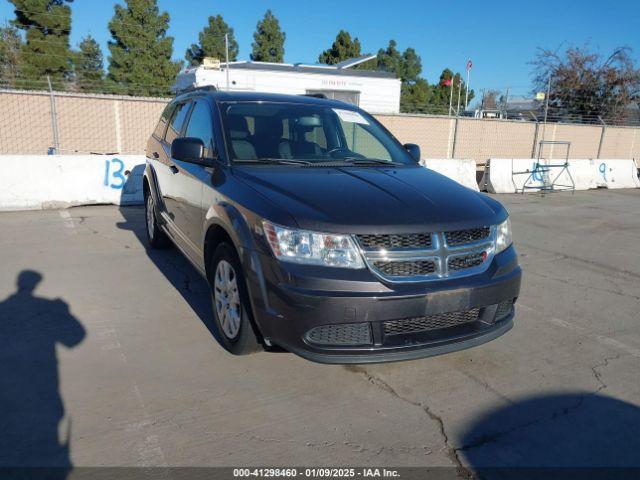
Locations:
{"points": [[31, 407], [177, 269], [563, 436]]}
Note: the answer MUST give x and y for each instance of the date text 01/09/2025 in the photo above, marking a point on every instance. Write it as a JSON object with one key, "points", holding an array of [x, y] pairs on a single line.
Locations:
{"points": [[315, 473]]}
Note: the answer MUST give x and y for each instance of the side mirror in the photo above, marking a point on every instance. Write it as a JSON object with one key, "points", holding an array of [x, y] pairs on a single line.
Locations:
{"points": [[191, 150], [414, 151]]}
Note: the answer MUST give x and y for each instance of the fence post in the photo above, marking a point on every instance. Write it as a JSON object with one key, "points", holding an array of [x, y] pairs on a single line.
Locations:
{"points": [[535, 136], [54, 119], [604, 128], [455, 138], [116, 115]]}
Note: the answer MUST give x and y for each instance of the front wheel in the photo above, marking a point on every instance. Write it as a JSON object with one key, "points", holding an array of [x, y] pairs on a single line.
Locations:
{"points": [[231, 310], [155, 235]]}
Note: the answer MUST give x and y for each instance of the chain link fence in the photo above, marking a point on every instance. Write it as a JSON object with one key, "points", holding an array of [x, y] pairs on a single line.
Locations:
{"points": [[41, 122]]}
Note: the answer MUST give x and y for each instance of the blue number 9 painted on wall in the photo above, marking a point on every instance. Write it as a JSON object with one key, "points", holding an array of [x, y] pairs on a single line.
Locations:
{"points": [[117, 175], [603, 170], [536, 173]]}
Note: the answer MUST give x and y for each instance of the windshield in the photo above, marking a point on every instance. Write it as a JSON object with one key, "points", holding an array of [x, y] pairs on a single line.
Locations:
{"points": [[289, 133]]}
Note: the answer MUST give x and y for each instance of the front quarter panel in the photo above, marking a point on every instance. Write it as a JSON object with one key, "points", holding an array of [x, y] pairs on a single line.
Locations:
{"points": [[235, 207]]}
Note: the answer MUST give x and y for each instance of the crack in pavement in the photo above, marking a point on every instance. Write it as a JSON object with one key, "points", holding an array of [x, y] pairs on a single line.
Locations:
{"points": [[566, 410], [598, 375], [452, 452]]}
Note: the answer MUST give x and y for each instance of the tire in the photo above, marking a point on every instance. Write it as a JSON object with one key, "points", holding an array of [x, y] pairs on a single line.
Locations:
{"points": [[156, 237], [232, 317]]}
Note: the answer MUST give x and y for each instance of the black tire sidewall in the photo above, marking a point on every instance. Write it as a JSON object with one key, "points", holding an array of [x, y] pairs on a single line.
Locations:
{"points": [[245, 342], [159, 239]]}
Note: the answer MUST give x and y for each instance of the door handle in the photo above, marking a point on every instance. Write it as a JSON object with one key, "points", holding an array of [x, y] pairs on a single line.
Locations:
{"points": [[156, 155], [173, 169]]}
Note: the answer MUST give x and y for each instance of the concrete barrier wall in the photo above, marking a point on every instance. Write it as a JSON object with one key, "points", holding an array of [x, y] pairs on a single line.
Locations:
{"points": [[31, 182], [60, 181], [509, 175], [462, 171]]}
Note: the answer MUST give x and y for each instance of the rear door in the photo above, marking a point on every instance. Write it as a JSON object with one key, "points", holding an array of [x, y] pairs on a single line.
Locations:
{"points": [[167, 171]]}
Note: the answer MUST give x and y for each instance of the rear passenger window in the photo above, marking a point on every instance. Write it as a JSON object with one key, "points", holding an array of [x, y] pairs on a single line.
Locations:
{"points": [[200, 126], [164, 120], [177, 120]]}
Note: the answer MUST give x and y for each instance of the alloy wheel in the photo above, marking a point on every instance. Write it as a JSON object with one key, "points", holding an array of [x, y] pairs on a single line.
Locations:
{"points": [[227, 299]]}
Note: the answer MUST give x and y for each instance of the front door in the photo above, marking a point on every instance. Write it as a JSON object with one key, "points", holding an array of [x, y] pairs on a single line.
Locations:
{"points": [[190, 179]]}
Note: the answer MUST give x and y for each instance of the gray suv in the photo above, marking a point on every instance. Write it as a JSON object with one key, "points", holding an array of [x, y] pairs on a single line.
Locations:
{"points": [[320, 233]]}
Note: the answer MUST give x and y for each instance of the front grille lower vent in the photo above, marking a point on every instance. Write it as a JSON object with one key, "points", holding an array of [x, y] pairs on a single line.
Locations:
{"points": [[430, 322], [406, 268], [345, 334], [462, 262], [392, 242], [472, 235]]}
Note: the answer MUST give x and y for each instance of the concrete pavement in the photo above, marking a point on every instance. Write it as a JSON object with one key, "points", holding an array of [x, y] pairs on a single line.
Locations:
{"points": [[134, 377]]}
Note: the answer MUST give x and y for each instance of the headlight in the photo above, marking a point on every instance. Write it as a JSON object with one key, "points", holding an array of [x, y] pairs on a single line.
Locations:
{"points": [[312, 248], [503, 236]]}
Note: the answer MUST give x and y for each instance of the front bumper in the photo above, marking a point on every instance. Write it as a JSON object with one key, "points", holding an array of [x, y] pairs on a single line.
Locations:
{"points": [[296, 300]]}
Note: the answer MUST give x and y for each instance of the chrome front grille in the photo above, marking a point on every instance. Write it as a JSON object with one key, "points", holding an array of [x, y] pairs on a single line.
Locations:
{"points": [[412, 240], [468, 260], [472, 235], [428, 256], [406, 269]]}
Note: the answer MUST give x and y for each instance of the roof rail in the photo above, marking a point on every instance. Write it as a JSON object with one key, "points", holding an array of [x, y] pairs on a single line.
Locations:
{"points": [[314, 95], [204, 88]]}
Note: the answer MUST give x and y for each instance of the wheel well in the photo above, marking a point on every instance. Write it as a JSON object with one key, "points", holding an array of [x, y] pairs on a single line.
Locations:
{"points": [[145, 187], [215, 236]]}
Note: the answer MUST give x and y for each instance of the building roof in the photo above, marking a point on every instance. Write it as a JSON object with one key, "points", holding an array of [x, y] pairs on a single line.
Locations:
{"points": [[303, 68]]}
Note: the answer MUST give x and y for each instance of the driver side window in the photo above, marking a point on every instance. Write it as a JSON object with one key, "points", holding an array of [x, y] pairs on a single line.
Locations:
{"points": [[200, 126]]}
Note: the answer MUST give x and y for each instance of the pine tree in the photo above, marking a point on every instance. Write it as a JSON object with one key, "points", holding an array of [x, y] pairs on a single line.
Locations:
{"points": [[343, 48], [268, 45], [212, 43], [442, 92], [47, 24], [140, 61], [390, 60], [89, 66], [10, 45], [411, 65], [406, 66]]}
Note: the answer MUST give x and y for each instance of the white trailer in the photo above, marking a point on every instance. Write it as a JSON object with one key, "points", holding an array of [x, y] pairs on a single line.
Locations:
{"points": [[374, 91]]}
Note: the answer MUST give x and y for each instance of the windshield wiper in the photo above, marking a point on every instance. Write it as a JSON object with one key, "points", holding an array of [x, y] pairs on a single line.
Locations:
{"points": [[275, 161], [369, 161]]}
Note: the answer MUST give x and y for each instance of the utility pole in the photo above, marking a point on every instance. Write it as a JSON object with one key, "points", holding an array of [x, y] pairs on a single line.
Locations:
{"points": [[506, 103], [546, 103], [466, 96], [226, 52], [546, 108], [451, 96]]}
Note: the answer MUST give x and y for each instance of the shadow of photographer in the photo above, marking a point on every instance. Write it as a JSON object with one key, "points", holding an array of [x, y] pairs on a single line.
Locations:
{"points": [[31, 407]]}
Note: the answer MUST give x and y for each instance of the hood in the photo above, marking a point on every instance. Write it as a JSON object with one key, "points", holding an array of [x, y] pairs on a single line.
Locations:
{"points": [[371, 199]]}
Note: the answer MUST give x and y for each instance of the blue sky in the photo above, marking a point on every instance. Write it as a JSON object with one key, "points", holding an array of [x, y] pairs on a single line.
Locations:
{"points": [[500, 36]]}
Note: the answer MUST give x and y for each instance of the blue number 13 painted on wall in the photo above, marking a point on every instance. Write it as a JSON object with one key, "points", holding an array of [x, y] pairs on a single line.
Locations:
{"points": [[116, 173]]}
